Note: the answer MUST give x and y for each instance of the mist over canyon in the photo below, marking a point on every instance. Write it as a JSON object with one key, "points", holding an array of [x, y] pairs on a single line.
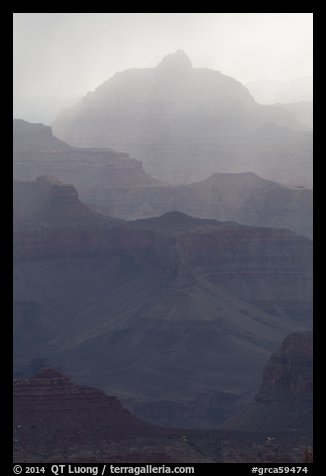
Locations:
{"points": [[163, 272], [186, 123]]}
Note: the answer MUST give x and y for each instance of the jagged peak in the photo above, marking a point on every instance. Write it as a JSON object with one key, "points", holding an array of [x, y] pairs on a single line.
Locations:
{"points": [[177, 61]]}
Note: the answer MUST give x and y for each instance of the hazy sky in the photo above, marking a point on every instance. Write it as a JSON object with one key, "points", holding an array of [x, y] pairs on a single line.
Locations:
{"points": [[58, 57]]}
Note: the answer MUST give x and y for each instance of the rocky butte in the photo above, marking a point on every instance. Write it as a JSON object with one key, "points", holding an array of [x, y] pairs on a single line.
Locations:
{"points": [[284, 401], [186, 123]]}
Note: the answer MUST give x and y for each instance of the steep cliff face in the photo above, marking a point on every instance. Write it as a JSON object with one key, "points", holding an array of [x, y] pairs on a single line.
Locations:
{"points": [[186, 124], [245, 198], [284, 401], [288, 374], [37, 152]]}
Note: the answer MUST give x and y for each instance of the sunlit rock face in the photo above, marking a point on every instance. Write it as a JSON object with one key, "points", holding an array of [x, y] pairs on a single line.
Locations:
{"points": [[187, 123]]}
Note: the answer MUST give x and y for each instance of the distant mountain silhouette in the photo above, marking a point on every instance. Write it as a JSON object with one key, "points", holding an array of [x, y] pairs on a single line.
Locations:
{"points": [[186, 123], [244, 197]]}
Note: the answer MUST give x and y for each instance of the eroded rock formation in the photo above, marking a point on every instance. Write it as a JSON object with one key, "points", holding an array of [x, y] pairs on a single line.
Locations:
{"points": [[187, 123], [284, 401]]}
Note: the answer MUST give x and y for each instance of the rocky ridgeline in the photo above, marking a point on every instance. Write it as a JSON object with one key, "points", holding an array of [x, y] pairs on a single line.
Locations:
{"points": [[37, 152], [244, 198], [171, 239], [115, 185]]}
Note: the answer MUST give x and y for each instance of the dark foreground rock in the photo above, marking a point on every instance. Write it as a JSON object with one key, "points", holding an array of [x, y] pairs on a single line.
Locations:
{"points": [[58, 421]]}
